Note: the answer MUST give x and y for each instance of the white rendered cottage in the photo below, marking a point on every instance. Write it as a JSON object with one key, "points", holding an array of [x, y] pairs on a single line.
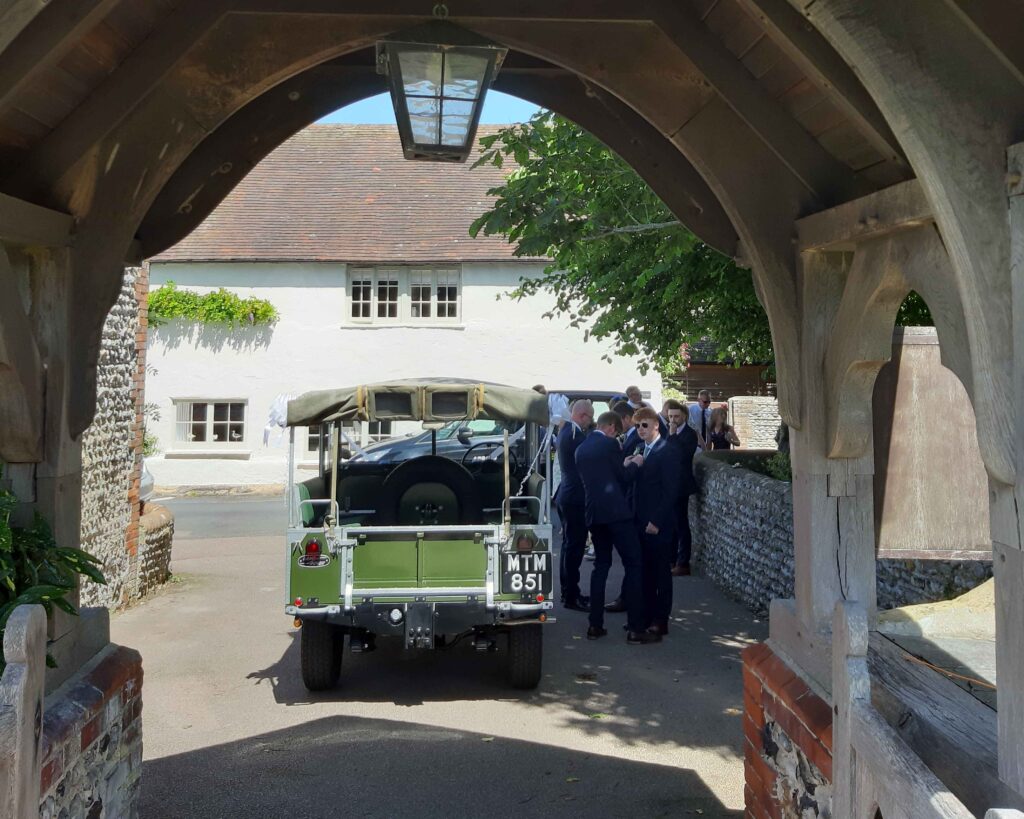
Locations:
{"points": [[368, 259]]}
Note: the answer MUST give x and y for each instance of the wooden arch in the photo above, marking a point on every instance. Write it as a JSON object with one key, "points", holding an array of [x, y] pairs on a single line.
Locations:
{"points": [[641, 67]]}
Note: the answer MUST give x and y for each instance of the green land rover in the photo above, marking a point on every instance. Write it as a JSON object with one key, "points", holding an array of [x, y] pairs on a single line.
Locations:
{"points": [[429, 550]]}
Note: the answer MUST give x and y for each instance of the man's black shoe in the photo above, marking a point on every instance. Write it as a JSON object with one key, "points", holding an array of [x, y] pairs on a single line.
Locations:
{"points": [[637, 638], [616, 606], [594, 633], [581, 603]]}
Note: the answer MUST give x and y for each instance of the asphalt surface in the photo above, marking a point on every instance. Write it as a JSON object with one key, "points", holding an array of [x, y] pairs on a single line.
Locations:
{"points": [[229, 731]]}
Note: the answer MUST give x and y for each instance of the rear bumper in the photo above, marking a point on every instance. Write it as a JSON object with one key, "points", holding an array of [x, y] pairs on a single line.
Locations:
{"points": [[418, 621]]}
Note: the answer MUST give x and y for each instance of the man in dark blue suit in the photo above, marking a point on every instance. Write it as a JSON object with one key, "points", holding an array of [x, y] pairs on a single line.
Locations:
{"points": [[600, 463], [654, 473], [685, 439], [571, 500]]}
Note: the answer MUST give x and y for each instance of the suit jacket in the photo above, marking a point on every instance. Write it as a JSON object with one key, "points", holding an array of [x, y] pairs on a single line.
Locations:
{"points": [[599, 460], [570, 490], [631, 442], [685, 444], [656, 489]]}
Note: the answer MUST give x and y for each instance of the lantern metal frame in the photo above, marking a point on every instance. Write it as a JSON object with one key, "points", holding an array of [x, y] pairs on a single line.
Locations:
{"points": [[444, 38]]}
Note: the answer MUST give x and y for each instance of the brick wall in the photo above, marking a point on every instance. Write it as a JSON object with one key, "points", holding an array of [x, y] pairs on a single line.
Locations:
{"points": [[787, 741], [92, 740]]}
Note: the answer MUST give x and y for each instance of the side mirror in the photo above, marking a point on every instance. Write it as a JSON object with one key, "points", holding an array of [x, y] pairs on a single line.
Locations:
{"points": [[464, 435]]}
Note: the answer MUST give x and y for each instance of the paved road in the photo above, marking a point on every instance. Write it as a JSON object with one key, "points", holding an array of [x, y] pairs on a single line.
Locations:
{"points": [[229, 731]]}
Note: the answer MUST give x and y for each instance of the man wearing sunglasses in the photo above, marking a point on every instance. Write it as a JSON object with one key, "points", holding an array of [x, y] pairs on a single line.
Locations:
{"points": [[600, 464], [654, 473]]}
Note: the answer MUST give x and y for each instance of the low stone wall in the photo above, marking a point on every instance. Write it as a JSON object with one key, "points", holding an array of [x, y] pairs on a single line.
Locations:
{"points": [[742, 525], [156, 534], [92, 740], [787, 743], [756, 420]]}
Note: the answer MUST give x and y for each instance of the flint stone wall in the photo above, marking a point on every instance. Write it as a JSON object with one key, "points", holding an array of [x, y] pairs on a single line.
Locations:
{"points": [[742, 524], [156, 533], [135, 548], [108, 459]]}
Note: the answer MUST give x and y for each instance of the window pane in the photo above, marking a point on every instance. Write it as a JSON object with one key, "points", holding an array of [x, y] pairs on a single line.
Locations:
{"points": [[220, 432], [312, 439], [447, 294], [220, 412], [362, 290], [236, 432], [238, 412], [419, 294], [387, 297]]}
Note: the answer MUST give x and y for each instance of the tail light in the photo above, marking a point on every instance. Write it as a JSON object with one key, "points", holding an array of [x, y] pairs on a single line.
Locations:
{"points": [[313, 549], [524, 544]]}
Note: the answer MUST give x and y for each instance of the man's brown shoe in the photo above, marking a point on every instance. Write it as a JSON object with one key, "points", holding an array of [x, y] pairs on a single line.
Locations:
{"points": [[636, 638], [660, 627], [617, 605], [681, 570]]}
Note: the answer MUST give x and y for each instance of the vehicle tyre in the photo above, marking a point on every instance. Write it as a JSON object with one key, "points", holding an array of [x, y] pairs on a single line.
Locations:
{"points": [[322, 647], [525, 655]]}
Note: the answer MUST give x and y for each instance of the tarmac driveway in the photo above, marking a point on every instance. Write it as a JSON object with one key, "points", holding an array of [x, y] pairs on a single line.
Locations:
{"points": [[229, 730]]}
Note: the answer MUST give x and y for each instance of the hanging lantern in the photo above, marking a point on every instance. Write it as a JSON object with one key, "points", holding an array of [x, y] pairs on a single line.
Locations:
{"points": [[438, 75]]}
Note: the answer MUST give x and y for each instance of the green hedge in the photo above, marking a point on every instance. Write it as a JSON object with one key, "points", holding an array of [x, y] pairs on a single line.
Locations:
{"points": [[219, 307]]}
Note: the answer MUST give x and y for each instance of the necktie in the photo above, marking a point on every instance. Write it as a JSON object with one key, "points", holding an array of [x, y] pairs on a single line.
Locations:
{"points": [[703, 424], [647, 450]]}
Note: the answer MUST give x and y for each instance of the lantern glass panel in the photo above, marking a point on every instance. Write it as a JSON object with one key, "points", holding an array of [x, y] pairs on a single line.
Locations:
{"points": [[421, 72], [458, 116], [464, 75]]}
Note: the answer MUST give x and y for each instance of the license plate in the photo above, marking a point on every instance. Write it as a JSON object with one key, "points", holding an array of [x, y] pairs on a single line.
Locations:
{"points": [[526, 572]]}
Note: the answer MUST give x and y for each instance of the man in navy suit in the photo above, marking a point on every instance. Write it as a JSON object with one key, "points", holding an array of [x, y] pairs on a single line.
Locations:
{"points": [[685, 438], [600, 463], [571, 501], [654, 473]]}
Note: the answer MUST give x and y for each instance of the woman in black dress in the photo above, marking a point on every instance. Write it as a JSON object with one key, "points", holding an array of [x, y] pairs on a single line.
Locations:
{"points": [[720, 434]]}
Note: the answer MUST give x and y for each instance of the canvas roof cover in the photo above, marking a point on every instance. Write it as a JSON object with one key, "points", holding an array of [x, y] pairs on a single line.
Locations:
{"points": [[422, 399]]}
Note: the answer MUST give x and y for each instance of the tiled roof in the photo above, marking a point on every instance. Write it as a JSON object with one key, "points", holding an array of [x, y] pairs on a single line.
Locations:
{"points": [[345, 193]]}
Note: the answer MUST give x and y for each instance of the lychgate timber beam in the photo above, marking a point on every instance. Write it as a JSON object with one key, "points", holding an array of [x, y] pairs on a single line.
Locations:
{"points": [[899, 207], [45, 41], [826, 69], [23, 223], [828, 179], [107, 106], [15, 16]]}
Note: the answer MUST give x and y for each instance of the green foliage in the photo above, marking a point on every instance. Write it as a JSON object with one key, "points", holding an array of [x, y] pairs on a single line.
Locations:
{"points": [[622, 265], [150, 412], [219, 307], [34, 569], [779, 467], [914, 312]]}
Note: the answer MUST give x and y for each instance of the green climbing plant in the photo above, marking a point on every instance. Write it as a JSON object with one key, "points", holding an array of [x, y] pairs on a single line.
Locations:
{"points": [[217, 307], [35, 570]]}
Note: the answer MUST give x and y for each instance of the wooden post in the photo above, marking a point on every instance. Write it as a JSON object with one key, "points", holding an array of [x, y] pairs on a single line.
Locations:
{"points": [[850, 682], [21, 712], [1005, 503]]}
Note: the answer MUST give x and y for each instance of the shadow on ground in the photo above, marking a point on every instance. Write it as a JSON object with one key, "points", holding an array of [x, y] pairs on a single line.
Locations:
{"points": [[349, 766], [687, 691]]}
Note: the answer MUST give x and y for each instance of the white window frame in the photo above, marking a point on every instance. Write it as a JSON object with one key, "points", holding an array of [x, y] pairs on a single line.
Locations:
{"points": [[433, 277], [209, 443]]}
